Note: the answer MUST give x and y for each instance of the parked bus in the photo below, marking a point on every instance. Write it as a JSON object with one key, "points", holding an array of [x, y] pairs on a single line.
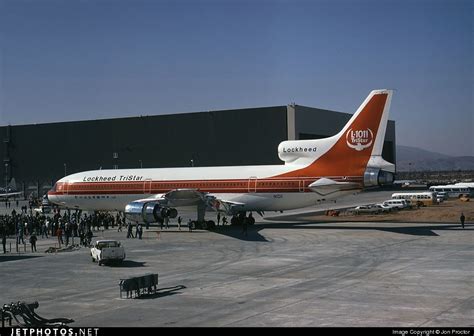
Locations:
{"points": [[452, 190], [418, 198], [465, 184]]}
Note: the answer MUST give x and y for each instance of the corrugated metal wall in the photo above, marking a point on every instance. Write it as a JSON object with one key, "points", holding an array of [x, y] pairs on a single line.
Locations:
{"points": [[231, 137]]}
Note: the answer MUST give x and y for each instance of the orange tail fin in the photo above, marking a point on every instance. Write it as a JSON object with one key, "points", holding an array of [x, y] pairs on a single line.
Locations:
{"points": [[348, 152]]}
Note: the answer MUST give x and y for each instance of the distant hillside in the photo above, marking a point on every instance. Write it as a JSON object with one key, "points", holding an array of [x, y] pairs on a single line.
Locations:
{"points": [[416, 159]]}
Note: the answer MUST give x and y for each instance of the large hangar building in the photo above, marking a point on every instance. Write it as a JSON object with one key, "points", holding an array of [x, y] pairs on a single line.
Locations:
{"points": [[39, 154]]}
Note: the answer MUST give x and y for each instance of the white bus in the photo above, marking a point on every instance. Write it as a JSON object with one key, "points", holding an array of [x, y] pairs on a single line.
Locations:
{"points": [[452, 190], [465, 184], [416, 198]]}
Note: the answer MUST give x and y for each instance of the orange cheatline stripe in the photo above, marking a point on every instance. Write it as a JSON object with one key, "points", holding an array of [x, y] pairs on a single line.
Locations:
{"points": [[218, 186]]}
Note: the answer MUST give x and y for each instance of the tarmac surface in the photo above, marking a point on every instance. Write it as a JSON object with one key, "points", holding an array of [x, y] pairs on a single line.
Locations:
{"points": [[281, 274]]}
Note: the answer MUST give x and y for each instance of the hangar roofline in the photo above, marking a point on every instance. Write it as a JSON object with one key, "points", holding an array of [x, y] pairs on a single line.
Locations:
{"points": [[175, 113], [145, 116]]}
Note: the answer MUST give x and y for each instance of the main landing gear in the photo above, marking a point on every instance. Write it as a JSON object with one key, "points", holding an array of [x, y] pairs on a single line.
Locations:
{"points": [[201, 223], [205, 225]]}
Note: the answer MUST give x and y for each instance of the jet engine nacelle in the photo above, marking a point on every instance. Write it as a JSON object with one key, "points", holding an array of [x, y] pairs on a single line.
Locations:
{"points": [[148, 212], [169, 212], [374, 177]]}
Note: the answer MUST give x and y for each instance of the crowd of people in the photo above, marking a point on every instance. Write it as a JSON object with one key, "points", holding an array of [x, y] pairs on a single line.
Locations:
{"points": [[65, 226], [28, 226]]}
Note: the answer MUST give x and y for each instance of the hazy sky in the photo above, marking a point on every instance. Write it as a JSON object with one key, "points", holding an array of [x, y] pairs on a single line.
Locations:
{"points": [[75, 60]]}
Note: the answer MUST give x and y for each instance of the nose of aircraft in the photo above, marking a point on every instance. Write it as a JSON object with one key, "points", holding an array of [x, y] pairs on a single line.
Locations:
{"points": [[48, 198], [45, 200]]}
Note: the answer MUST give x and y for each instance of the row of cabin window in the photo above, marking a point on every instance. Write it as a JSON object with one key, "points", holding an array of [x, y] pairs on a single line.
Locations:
{"points": [[186, 185], [94, 197]]}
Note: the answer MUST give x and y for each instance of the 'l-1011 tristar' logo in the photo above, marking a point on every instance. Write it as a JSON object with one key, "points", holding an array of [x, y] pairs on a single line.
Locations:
{"points": [[359, 139]]}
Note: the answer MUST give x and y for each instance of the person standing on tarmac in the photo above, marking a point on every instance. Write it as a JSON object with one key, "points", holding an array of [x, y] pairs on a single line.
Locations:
{"points": [[129, 230], [462, 218], [33, 240], [244, 225], [4, 242], [139, 231]]}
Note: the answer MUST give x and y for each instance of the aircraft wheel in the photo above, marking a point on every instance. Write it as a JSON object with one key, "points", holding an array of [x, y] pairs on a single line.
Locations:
{"points": [[192, 225], [234, 221], [211, 225], [173, 213]]}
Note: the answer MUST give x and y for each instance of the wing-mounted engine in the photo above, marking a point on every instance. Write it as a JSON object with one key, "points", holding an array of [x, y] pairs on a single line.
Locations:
{"points": [[156, 209], [149, 211], [144, 211], [152, 210]]}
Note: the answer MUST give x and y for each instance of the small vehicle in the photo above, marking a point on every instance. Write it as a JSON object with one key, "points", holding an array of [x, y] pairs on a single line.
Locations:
{"points": [[44, 209], [442, 194], [383, 208], [105, 251], [395, 204], [422, 198], [367, 209], [333, 213], [464, 198]]}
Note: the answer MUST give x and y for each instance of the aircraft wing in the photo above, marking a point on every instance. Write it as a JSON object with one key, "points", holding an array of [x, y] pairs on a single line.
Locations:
{"points": [[325, 186], [11, 194], [190, 197]]}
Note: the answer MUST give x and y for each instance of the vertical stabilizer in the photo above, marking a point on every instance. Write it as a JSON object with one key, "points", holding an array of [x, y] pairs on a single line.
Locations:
{"points": [[348, 152]]}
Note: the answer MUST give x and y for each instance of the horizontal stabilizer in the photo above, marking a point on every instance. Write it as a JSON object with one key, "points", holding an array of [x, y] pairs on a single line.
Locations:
{"points": [[325, 186]]}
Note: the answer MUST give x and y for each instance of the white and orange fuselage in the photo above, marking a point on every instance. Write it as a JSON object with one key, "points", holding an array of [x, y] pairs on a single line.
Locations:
{"points": [[313, 170], [249, 185]]}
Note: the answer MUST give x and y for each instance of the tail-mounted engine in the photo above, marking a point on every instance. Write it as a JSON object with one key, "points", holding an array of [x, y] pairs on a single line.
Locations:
{"points": [[375, 177], [148, 212]]}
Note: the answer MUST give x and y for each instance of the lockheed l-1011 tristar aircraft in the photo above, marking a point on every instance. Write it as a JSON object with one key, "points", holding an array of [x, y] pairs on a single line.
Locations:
{"points": [[313, 170]]}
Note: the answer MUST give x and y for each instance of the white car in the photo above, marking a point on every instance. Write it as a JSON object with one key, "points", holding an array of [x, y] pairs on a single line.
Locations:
{"points": [[105, 251], [395, 204], [366, 209], [43, 209]]}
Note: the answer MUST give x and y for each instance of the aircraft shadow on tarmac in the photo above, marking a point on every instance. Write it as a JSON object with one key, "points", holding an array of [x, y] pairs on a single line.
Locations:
{"points": [[236, 232], [17, 257], [421, 230], [161, 292], [129, 264]]}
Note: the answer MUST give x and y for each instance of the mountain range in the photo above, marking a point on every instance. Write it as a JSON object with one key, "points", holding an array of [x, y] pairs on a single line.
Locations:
{"points": [[417, 159]]}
